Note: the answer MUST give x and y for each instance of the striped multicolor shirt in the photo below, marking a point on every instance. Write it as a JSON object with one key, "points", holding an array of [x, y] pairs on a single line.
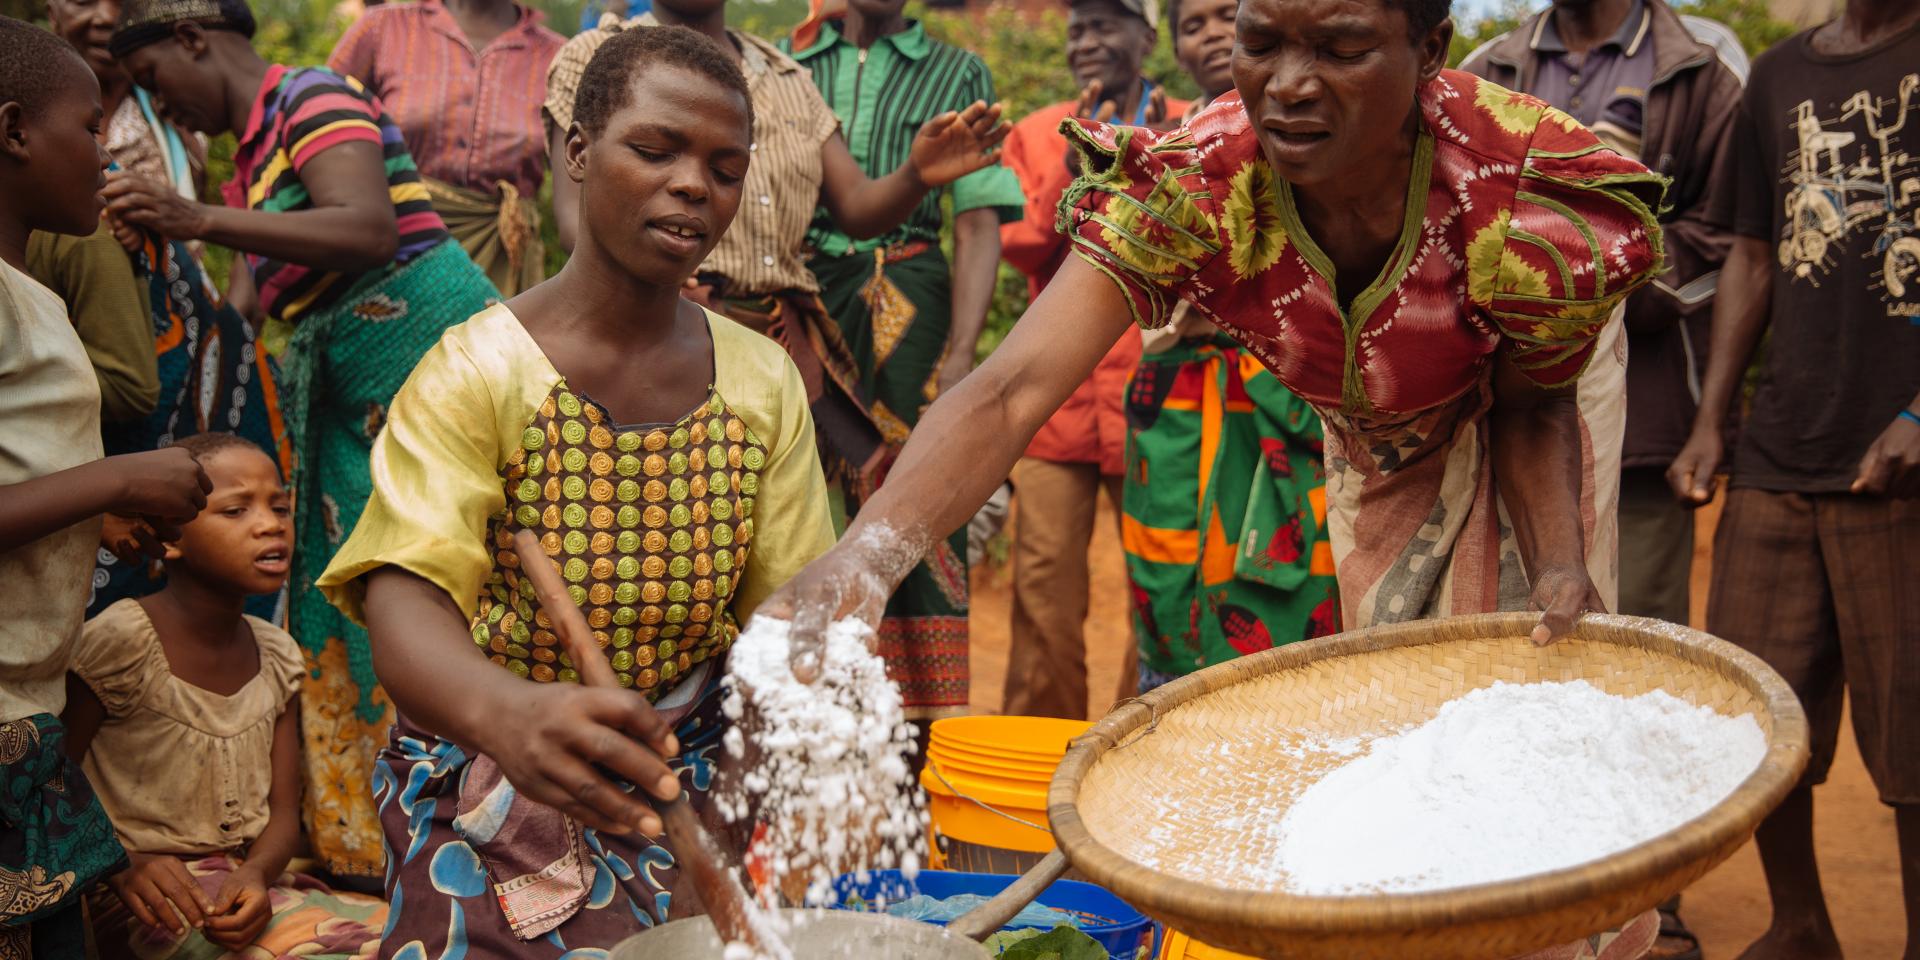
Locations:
{"points": [[471, 118], [883, 96], [299, 114]]}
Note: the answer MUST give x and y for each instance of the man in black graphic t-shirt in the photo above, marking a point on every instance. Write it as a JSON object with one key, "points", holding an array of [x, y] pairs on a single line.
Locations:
{"points": [[1817, 559]]}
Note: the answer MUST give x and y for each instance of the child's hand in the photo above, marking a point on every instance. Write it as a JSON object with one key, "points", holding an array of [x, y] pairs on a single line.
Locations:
{"points": [[160, 891], [551, 737], [241, 911], [130, 539]]}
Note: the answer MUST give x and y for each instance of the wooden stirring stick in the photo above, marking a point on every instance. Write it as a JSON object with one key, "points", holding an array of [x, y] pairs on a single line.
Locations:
{"points": [[719, 889]]}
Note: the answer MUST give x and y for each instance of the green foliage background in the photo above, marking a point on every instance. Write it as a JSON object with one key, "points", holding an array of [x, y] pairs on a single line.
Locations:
{"points": [[1026, 55]]}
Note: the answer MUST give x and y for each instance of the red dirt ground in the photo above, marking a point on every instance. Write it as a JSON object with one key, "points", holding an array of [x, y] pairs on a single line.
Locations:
{"points": [[1727, 909]]}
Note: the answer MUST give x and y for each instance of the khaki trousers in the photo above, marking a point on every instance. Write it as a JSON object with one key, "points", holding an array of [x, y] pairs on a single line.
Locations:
{"points": [[1052, 528], [1656, 548]]}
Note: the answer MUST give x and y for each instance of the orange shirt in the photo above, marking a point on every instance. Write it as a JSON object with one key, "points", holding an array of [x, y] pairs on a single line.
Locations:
{"points": [[1091, 426]]}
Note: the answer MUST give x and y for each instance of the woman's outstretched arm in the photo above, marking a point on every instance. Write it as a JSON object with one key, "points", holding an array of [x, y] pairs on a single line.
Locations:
{"points": [[962, 449]]}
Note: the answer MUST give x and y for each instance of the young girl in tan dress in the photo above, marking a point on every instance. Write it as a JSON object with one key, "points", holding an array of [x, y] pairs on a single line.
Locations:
{"points": [[182, 711]]}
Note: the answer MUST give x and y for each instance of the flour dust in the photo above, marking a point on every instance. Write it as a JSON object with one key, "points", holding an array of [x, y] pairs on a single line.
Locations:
{"points": [[826, 764]]}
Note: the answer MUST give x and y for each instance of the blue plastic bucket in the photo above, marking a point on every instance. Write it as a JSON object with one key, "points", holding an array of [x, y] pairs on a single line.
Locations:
{"points": [[1126, 933]]}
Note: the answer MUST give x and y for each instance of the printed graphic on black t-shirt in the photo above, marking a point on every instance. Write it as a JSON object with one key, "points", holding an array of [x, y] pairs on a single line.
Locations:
{"points": [[1846, 184], [1825, 166]]}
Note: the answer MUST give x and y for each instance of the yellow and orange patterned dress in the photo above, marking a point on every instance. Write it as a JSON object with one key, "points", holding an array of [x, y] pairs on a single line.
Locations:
{"points": [[668, 535], [1523, 233]]}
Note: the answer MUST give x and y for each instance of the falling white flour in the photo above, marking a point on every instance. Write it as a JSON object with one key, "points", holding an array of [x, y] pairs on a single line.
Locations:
{"points": [[1511, 780], [829, 775]]}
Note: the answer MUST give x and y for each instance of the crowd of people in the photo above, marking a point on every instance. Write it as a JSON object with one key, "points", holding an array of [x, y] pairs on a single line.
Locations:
{"points": [[1353, 338]]}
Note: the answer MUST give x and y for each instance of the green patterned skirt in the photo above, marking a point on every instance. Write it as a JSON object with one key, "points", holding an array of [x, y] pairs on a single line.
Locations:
{"points": [[1225, 514], [894, 308], [341, 370], [55, 842]]}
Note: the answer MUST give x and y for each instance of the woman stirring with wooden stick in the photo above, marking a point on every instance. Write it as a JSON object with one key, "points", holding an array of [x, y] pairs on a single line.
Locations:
{"points": [[664, 457]]}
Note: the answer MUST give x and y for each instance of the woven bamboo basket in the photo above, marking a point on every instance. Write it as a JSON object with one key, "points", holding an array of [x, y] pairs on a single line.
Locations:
{"points": [[1157, 789]]}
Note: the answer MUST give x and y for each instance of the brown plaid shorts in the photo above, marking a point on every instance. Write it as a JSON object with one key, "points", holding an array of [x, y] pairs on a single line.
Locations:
{"points": [[1826, 589]]}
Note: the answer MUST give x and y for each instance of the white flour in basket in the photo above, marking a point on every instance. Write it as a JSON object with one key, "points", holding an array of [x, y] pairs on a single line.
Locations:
{"points": [[1511, 780]]}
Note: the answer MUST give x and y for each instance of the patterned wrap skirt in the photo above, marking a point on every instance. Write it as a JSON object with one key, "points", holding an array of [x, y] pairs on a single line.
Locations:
{"points": [[340, 371], [461, 885], [55, 842], [894, 308], [1224, 510]]}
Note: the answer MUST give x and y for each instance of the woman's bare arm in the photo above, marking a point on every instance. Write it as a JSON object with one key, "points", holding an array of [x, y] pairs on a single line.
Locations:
{"points": [[350, 226], [976, 268], [1535, 439], [963, 447]]}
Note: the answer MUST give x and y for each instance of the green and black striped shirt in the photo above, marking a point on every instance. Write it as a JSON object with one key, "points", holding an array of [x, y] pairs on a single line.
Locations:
{"points": [[883, 95]]}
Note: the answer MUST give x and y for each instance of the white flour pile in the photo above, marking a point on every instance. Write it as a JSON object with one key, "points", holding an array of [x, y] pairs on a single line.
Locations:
{"points": [[828, 773], [1511, 780]]}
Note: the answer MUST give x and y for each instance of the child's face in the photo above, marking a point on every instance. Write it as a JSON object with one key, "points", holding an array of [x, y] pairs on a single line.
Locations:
{"points": [[65, 166], [662, 182], [243, 540]]}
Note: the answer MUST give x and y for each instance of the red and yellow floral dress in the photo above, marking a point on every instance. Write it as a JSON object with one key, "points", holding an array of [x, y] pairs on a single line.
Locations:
{"points": [[1523, 232]]}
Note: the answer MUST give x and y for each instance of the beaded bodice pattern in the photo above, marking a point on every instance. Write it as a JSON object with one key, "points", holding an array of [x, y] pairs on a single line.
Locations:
{"points": [[650, 527]]}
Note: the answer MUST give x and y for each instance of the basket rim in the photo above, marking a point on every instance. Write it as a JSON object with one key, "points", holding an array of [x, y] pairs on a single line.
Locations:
{"points": [[1732, 819]]}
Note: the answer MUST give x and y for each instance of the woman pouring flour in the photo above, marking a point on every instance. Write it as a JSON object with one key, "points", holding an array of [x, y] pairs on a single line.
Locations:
{"points": [[1431, 260], [1441, 288]]}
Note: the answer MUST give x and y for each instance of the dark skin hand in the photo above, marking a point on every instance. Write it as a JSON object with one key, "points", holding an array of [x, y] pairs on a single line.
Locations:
{"points": [[1740, 310], [1095, 105], [350, 227], [984, 423], [551, 740], [1535, 438], [164, 488], [157, 888]]}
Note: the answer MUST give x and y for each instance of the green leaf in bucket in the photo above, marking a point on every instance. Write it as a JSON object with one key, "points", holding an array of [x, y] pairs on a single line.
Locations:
{"points": [[1060, 943]]}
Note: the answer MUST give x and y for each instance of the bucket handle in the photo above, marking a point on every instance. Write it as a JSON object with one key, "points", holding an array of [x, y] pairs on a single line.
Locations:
{"points": [[986, 919], [982, 804]]}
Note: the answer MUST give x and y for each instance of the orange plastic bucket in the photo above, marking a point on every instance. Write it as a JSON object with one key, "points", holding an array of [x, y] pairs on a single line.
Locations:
{"points": [[1175, 945], [986, 780]]}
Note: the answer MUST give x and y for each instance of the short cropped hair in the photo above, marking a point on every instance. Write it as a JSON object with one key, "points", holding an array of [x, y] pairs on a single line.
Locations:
{"points": [[1422, 15], [204, 445], [30, 58], [607, 83]]}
